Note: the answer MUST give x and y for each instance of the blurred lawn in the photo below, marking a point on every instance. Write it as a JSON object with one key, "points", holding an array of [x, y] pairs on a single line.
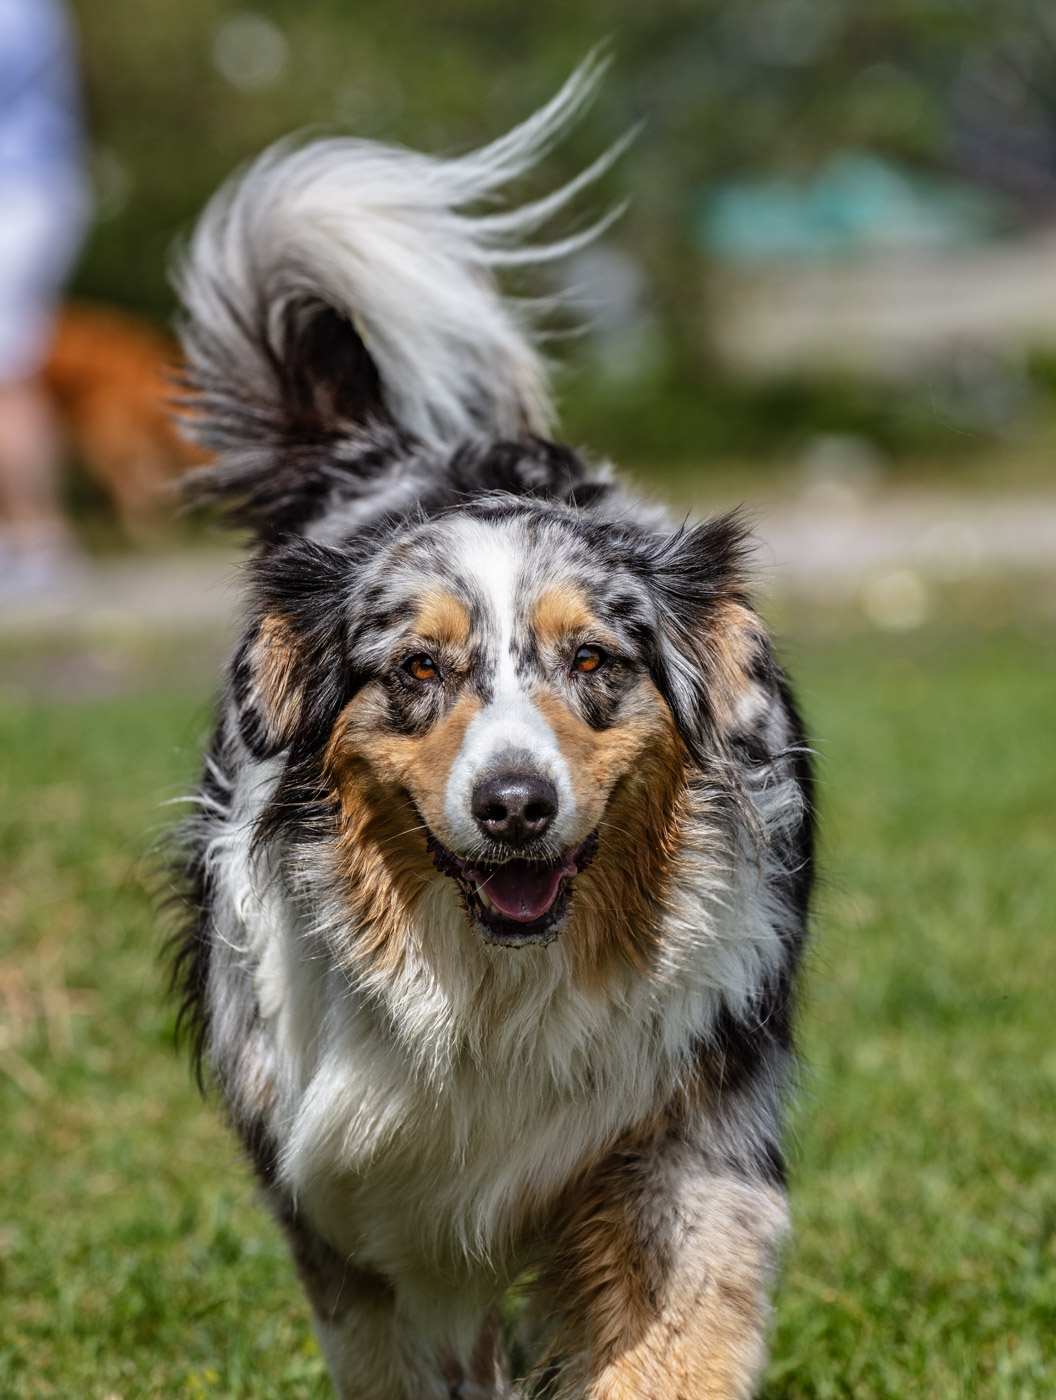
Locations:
{"points": [[134, 1261]]}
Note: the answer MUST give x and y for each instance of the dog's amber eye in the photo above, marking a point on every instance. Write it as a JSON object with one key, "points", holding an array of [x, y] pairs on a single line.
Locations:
{"points": [[588, 659], [422, 667]]}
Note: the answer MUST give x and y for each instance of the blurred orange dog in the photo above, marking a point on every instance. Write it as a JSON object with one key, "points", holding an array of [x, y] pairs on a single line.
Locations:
{"points": [[111, 376]]}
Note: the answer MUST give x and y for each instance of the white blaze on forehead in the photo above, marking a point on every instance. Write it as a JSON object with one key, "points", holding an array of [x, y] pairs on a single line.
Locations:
{"points": [[509, 729]]}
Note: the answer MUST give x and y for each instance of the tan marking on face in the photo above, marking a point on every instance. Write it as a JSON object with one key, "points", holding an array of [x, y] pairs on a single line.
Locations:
{"points": [[418, 763], [562, 612], [443, 618], [273, 662], [387, 784], [681, 1318], [629, 782]]}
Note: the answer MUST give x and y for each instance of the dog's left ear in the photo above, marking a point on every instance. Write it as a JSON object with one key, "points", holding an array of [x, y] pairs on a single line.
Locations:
{"points": [[714, 664], [290, 672]]}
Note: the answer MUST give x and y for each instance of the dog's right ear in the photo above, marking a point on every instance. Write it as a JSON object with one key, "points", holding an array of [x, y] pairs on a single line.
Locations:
{"points": [[289, 675]]}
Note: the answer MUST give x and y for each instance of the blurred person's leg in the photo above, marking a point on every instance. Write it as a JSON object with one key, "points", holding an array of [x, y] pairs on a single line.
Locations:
{"points": [[43, 202], [30, 447], [38, 553], [37, 550], [39, 233]]}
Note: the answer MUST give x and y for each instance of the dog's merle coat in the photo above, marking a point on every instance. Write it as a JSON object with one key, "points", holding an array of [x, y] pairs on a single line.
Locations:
{"points": [[502, 854]]}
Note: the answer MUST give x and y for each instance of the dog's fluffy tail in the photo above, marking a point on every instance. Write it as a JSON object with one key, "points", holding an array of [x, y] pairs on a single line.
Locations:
{"points": [[348, 282]]}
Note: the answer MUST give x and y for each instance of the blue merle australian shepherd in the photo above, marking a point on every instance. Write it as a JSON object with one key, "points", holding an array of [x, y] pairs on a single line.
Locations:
{"points": [[502, 852]]}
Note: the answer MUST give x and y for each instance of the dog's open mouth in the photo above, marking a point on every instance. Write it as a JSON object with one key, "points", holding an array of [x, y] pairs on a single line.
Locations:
{"points": [[516, 901]]}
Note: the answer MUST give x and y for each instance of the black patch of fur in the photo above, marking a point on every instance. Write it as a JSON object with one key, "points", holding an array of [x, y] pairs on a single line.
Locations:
{"points": [[598, 693], [189, 948], [539, 468], [800, 866], [740, 1049], [588, 495], [308, 421], [306, 585], [742, 1053], [279, 493], [262, 1149], [478, 474], [331, 1281], [414, 708], [327, 378]]}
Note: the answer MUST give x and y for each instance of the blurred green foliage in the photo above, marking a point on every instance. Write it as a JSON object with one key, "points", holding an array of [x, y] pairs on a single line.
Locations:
{"points": [[723, 87], [179, 94]]}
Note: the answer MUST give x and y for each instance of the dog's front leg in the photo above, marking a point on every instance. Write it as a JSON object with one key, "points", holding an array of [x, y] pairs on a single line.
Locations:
{"points": [[425, 1342], [372, 1349], [660, 1278]]}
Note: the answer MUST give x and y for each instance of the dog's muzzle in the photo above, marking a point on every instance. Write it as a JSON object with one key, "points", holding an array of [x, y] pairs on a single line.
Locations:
{"points": [[516, 902]]}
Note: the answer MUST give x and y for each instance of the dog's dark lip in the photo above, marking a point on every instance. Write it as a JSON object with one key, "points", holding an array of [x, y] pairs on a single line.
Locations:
{"points": [[547, 885]]}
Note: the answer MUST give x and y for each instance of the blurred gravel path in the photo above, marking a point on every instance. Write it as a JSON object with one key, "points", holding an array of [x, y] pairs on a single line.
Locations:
{"points": [[941, 534], [831, 542]]}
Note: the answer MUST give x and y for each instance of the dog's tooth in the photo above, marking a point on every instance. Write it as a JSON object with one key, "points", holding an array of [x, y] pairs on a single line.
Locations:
{"points": [[485, 900]]}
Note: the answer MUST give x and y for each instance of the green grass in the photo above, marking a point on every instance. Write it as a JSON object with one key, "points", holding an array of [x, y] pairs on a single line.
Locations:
{"points": [[135, 1262], [925, 1184]]}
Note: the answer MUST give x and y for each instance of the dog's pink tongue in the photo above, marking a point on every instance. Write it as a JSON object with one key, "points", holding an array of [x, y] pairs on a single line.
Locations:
{"points": [[521, 889]]}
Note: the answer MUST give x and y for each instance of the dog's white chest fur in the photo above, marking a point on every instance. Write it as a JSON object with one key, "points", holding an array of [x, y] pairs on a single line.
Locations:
{"points": [[425, 1120]]}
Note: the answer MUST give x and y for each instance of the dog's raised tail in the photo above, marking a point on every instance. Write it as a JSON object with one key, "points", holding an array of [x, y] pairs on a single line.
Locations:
{"points": [[347, 283]]}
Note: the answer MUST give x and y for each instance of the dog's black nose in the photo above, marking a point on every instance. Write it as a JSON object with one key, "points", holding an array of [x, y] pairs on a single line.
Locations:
{"points": [[515, 808]]}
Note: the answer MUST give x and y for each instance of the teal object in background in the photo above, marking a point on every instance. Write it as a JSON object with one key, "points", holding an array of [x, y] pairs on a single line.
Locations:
{"points": [[856, 202]]}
